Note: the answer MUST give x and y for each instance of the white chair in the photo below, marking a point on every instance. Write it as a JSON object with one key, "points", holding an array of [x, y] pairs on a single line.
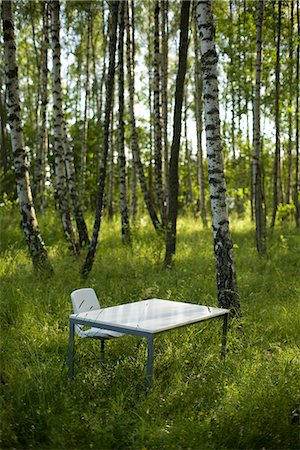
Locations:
{"points": [[84, 300]]}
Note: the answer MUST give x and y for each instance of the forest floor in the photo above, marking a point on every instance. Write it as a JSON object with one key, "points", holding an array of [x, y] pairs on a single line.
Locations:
{"points": [[252, 401]]}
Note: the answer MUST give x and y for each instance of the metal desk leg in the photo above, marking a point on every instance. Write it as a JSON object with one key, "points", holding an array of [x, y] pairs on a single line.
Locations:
{"points": [[71, 351], [150, 362], [224, 336]]}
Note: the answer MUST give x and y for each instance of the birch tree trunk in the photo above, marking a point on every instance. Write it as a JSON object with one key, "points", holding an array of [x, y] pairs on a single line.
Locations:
{"points": [[297, 180], [3, 142], [88, 264], [29, 221], [125, 227], [177, 122], [260, 217], [37, 111], [199, 121], [290, 106], [157, 114], [189, 188], [86, 102], [105, 32], [134, 136], [277, 159], [41, 158], [60, 169], [150, 102], [164, 98], [110, 184], [72, 188], [225, 270], [232, 91]]}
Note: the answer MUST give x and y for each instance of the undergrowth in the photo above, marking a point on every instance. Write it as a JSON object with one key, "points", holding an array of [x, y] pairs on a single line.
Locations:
{"points": [[252, 401]]}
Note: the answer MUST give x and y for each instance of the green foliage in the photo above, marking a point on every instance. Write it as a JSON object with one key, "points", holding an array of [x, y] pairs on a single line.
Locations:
{"points": [[286, 212], [250, 401]]}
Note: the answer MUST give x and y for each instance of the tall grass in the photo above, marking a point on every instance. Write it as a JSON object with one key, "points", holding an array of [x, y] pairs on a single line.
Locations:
{"points": [[197, 401]]}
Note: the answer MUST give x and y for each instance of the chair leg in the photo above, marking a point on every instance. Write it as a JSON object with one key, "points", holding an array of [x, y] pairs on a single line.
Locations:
{"points": [[102, 351]]}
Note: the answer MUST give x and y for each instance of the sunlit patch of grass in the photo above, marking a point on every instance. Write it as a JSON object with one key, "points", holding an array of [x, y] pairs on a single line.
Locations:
{"points": [[197, 400]]}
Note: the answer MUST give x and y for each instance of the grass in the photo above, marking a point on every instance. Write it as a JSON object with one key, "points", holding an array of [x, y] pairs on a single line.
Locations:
{"points": [[197, 402]]}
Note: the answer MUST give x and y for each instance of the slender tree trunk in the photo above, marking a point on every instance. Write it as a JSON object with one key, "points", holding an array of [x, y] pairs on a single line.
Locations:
{"points": [[157, 114], [86, 102], [150, 102], [297, 180], [114, 7], [105, 32], [277, 171], [29, 221], [38, 59], [111, 146], [225, 270], [3, 142], [260, 219], [72, 187], [134, 136], [199, 124], [164, 98], [290, 116], [189, 188], [60, 169], [125, 228], [173, 169], [41, 157], [94, 39], [233, 104]]}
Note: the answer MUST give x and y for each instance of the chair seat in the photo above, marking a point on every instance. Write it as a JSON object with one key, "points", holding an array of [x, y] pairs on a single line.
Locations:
{"points": [[98, 333]]}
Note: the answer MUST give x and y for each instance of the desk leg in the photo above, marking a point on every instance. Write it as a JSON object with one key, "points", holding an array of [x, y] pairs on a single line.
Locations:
{"points": [[224, 336], [150, 362], [71, 351]]}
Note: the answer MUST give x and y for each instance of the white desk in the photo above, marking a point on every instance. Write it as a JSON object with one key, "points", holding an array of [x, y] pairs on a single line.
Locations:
{"points": [[146, 318]]}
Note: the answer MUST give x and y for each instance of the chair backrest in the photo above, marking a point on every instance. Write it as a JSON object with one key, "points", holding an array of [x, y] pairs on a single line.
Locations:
{"points": [[84, 300]]}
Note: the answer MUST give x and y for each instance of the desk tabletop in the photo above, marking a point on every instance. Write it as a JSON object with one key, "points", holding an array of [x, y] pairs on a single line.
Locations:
{"points": [[150, 316]]}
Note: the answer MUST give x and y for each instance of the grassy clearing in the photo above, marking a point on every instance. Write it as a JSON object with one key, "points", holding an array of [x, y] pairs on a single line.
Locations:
{"points": [[197, 402]]}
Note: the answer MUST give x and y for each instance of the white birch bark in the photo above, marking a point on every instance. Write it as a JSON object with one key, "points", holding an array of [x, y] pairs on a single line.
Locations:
{"points": [[199, 121], [125, 227], [257, 164], [29, 221], [88, 264], [225, 270], [86, 103], [277, 187], [164, 97], [60, 169], [134, 137], [41, 158], [297, 174], [157, 114]]}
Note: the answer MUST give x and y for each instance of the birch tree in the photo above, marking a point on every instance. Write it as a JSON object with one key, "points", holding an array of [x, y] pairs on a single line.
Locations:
{"points": [[64, 163], [277, 187], [41, 158], [290, 106], [257, 163], [121, 133], [174, 157], [225, 269], [157, 113], [297, 174], [60, 169], [88, 264], [164, 98], [134, 137], [86, 102], [199, 118], [29, 221]]}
